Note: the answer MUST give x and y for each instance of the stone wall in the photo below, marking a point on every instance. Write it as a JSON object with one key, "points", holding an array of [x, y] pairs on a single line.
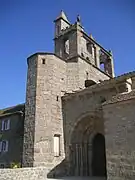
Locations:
{"points": [[93, 73], [120, 133], [48, 78], [72, 72], [51, 81], [38, 173], [79, 70], [29, 122], [84, 105]]}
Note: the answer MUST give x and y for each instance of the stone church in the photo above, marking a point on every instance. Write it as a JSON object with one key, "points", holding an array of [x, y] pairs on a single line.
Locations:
{"points": [[79, 118]]}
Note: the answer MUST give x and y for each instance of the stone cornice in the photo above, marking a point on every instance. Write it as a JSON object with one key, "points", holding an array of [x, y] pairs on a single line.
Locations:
{"points": [[43, 53], [67, 60], [105, 85], [92, 40], [121, 97]]}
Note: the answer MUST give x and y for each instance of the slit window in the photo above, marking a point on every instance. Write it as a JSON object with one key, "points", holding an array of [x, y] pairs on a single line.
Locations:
{"points": [[87, 75], [43, 61], [82, 54], [56, 145], [3, 146]]}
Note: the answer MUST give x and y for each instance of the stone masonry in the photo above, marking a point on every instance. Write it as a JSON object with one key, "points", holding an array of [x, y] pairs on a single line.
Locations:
{"points": [[76, 105], [89, 112], [49, 77], [119, 116], [57, 105]]}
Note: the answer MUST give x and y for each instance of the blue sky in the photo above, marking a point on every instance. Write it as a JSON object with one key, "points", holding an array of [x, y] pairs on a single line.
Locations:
{"points": [[26, 27]]}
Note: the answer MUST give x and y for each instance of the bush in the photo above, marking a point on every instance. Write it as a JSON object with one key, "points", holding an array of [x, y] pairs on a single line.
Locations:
{"points": [[15, 165]]}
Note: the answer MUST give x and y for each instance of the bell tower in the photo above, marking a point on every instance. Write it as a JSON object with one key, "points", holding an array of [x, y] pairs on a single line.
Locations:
{"points": [[66, 37], [61, 41], [61, 23]]}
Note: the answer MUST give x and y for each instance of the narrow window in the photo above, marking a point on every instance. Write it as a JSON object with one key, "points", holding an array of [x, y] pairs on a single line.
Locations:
{"points": [[5, 124], [3, 146], [43, 61], [82, 54], [87, 75], [93, 52], [102, 66], [66, 46], [56, 145], [89, 47], [57, 99]]}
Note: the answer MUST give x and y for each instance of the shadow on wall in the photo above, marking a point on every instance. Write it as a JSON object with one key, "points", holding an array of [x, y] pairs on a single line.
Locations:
{"points": [[84, 154], [59, 171], [62, 169]]}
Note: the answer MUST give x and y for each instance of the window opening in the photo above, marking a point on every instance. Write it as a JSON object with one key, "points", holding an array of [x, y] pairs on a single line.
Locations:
{"points": [[5, 124], [43, 61], [66, 46], [56, 145], [3, 146]]}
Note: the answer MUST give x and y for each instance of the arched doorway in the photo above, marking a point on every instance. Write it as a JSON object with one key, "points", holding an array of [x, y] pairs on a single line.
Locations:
{"points": [[98, 156], [80, 158], [84, 155]]}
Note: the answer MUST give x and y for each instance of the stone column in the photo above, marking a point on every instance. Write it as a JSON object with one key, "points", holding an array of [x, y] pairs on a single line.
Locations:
{"points": [[97, 59]]}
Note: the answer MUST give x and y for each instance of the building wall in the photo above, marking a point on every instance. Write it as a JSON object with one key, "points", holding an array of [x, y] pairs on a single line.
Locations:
{"points": [[79, 70], [38, 173], [93, 73], [46, 83], [14, 136], [86, 104], [83, 49], [72, 73], [51, 81], [30, 105], [49, 77], [120, 132], [71, 35]]}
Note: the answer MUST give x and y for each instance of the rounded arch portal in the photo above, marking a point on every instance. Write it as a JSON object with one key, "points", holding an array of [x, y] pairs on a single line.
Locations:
{"points": [[83, 146]]}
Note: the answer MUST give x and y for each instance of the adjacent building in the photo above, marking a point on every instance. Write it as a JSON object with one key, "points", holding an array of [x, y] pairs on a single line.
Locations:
{"points": [[11, 136]]}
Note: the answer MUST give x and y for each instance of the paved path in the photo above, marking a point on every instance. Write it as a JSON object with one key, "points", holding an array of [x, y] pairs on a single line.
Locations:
{"points": [[80, 178]]}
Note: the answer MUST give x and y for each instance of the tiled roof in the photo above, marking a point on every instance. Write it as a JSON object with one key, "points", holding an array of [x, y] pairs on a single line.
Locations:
{"points": [[121, 97], [11, 110]]}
